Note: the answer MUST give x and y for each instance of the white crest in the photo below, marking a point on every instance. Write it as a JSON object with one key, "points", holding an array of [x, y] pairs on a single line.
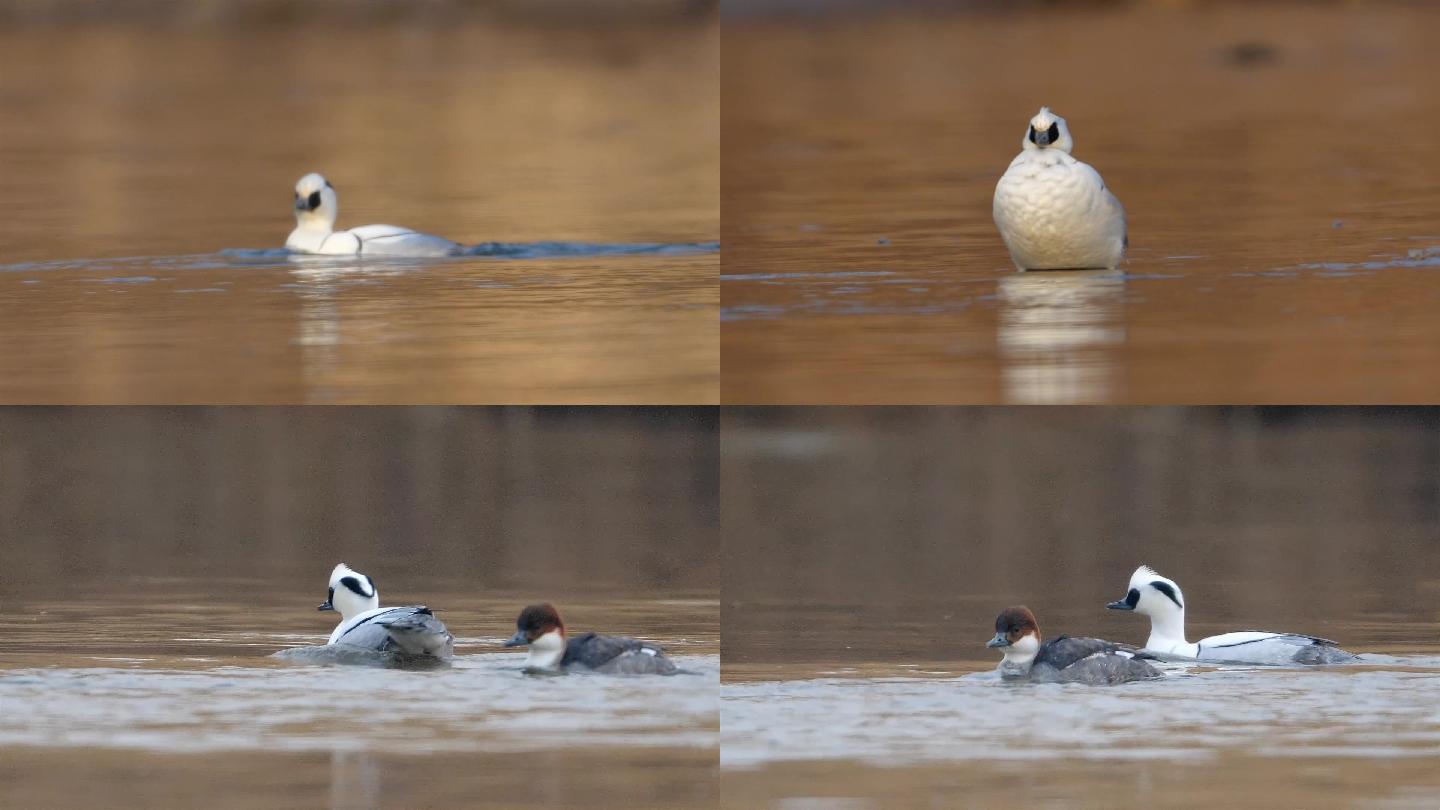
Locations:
{"points": [[1048, 131], [351, 592]]}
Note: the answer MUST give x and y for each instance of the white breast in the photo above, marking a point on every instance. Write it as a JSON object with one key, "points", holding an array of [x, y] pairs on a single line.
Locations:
{"points": [[1055, 213], [371, 240]]}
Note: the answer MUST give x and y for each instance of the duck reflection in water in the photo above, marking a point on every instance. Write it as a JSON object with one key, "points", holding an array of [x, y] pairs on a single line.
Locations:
{"points": [[1055, 333]]}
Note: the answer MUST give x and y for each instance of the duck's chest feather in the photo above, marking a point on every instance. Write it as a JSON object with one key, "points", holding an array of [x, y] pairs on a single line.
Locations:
{"points": [[1050, 193], [370, 240]]}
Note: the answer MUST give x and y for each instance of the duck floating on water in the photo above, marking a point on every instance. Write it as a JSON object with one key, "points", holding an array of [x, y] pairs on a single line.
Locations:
{"points": [[1063, 659], [316, 209], [540, 628], [1162, 600], [412, 633]]}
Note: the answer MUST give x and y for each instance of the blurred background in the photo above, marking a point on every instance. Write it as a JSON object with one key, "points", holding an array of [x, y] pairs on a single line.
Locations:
{"points": [[563, 501], [895, 536], [150, 151], [153, 559], [151, 127], [1283, 237]]}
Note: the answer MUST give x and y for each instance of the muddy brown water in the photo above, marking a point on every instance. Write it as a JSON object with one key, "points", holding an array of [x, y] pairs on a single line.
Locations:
{"points": [[869, 550], [165, 692], [152, 561], [137, 202], [1283, 233]]}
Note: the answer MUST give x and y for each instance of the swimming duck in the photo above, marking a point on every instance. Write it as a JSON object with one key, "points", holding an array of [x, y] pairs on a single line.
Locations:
{"points": [[1053, 211], [316, 208], [409, 632], [1161, 599], [539, 627], [1063, 659]]}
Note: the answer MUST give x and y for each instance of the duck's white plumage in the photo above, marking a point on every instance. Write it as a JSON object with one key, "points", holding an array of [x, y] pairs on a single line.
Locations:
{"points": [[1053, 211], [1161, 599], [317, 207], [412, 631]]}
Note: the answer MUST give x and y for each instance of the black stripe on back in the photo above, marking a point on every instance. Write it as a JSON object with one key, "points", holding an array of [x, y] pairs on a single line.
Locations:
{"points": [[367, 621]]}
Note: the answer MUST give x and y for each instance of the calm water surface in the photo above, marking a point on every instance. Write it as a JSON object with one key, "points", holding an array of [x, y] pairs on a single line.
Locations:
{"points": [[180, 676], [1283, 238], [138, 203]]}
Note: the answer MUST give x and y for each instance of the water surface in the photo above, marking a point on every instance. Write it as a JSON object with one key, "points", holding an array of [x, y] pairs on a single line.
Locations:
{"points": [[138, 203], [869, 551], [183, 672], [1282, 236], [154, 560]]}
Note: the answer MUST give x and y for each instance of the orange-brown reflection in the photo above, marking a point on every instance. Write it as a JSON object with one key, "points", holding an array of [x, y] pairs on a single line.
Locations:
{"points": [[484, 130], [861, 154]]}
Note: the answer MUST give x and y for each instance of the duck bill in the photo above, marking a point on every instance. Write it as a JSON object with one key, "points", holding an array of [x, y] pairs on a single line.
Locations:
{"points": [[326, 606], [998, 641], [1120, 604], [517, 640]]}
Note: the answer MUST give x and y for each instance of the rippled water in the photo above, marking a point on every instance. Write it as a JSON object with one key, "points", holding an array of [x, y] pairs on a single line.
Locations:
{"points": [[160, 570], [482, 703], [905, 736], [1282, 238], [870, 549], [275, 327], [140, 209], [1385, 707], [124, 680]]}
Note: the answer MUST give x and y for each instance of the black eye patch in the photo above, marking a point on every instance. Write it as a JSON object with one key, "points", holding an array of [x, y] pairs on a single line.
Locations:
{"points": [[1054, 132], [1164, 587], [1132, 598], [313, 200], [1032, 134]]}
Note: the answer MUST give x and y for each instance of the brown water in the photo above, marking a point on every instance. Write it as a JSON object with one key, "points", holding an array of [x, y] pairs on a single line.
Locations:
{"points": [[141, 206], [176, 675], [152, 561], [1283, 231], [868, 551]]}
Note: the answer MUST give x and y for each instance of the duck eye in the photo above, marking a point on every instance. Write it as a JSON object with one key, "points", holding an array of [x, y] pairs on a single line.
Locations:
{"points": [[1032, 134], [314, 200], [1054, 132]]}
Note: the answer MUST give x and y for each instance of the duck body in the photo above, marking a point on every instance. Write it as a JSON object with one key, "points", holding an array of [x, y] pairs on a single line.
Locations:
{"points": [[412, 633], [540, 628], [1054, 211], [317, 206], [1162, 600], [1064, 659]]}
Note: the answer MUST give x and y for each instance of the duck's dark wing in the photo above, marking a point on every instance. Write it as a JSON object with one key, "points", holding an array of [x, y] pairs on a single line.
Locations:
{"points": [[1090, 660], [1107, 668], [617, 655], [1065, 651]]}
